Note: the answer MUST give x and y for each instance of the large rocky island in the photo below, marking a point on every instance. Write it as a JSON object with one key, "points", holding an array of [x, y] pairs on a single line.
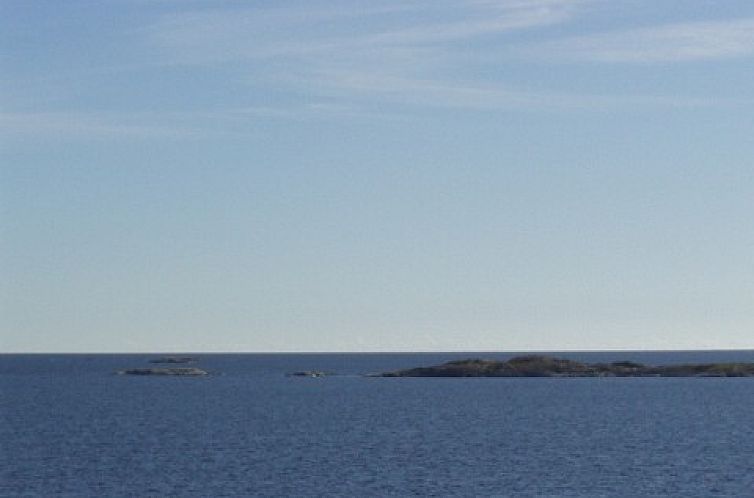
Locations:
{"points": [[547, 366]]}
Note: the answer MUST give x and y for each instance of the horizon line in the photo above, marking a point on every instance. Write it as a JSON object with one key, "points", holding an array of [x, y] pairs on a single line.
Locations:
{"points": [[485, 351]]}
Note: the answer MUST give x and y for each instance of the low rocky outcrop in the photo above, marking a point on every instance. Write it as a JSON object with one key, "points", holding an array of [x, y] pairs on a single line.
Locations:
{"points": [[179, 371], [307, 373], [547, 366], [174, 359]]}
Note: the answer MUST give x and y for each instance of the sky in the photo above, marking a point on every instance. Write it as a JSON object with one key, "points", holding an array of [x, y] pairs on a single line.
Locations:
{"points": [[414, 175]]}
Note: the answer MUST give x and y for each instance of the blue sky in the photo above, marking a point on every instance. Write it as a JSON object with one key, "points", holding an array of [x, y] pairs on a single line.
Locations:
{"points": [[376, 176]]}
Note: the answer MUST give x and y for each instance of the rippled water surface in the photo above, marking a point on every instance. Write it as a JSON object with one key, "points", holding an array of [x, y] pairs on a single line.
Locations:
{"points": [[69, 427]]}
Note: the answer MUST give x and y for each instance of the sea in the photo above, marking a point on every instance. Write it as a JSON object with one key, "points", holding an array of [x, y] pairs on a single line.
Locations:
{"points": [[71, 427]]}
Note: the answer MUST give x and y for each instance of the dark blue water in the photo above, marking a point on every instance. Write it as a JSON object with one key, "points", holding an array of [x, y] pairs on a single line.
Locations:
{"points": [[69, 427]]}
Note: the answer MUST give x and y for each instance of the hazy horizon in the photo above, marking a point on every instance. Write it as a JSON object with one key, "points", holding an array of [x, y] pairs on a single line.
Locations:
{"points": [[459, 351]]}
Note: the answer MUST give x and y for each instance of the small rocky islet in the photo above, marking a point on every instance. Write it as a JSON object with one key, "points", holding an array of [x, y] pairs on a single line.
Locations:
{"points": [[548, 366], [174, 359], [167, 371], [308, 373], [194, 371], [177, 371]]}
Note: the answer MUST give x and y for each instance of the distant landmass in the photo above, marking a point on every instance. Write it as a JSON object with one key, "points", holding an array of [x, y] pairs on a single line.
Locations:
{"points": [[547, 366]]}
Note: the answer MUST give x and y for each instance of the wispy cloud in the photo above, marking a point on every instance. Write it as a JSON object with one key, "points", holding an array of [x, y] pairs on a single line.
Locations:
{"points": [[224, 34], [213, 36], [88, 125], [668, 43], [359, 59], [486, 18], [416, 53], [229, 122], [397, 51], [493, 97]]}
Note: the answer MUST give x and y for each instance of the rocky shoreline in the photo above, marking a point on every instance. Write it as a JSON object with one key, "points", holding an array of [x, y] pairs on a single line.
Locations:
{"points": [[547, 366]]}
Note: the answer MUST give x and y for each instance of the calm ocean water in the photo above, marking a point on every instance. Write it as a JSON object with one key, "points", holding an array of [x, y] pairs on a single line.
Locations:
{"points": [[69, 427]]}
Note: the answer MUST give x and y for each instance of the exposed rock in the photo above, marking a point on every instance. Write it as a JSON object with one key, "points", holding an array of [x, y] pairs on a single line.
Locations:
{"points": [[307, 373], [174, 359], [182, 371], [547, 366]]}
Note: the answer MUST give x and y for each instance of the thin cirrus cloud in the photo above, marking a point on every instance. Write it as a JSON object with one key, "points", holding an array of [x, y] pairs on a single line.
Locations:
{"points": [[679, 42], [393, 60], [101, 125], [478, 96], [362, 60], [484, 18], [220, 35], [412, 53]]}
